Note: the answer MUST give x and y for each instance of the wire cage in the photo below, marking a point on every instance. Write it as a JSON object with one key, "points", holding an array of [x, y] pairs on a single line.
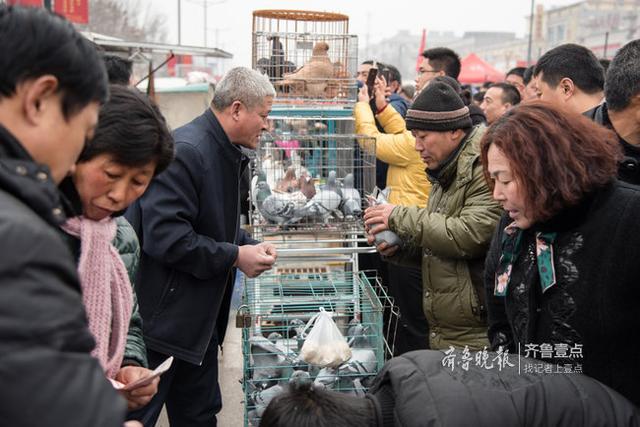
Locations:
{"points": [[308, 56], [277, 308], [311, 182]]}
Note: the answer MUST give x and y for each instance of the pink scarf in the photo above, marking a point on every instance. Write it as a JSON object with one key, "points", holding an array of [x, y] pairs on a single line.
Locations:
{"points": [[106, 289]]}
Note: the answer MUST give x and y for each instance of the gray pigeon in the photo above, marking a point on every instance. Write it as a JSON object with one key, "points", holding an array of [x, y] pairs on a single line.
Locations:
{"points": [[363, 362], [260, 399], [332, 184], [296, 329], [352, 202], [325, 202], [266, 361], [357, 335], [381, 198], [272, 208], [326, 378], [299, 377]]}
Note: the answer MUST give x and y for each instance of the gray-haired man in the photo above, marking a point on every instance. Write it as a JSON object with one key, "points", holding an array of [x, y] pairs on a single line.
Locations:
{"points": [[189, 228]]}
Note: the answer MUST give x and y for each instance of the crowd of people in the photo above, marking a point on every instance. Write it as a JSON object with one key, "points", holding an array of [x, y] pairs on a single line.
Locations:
{"points": [[515, 206]]}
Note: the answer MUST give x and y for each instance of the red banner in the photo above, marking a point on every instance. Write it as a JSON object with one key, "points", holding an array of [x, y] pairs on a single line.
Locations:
{"points": [[36, 3], [74, 10]]}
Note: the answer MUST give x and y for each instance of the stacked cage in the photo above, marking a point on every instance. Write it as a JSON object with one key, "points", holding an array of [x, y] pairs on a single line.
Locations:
{"points": [[275, 318], [311, 178]]}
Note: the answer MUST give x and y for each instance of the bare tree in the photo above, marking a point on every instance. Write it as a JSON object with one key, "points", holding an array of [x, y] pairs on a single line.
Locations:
{"points": [[127, 19]]}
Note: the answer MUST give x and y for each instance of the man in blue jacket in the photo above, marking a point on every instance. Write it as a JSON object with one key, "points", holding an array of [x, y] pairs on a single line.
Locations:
{"points": [[189, 229]]}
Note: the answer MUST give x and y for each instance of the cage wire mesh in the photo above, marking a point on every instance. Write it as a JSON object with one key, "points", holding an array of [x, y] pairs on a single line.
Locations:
{"points": [[311, 182], [308, 56], [277, 308]]}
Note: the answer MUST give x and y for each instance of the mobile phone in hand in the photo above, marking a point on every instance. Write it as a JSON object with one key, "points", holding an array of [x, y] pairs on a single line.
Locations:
{"points": [[145, 381], [371, 80]]}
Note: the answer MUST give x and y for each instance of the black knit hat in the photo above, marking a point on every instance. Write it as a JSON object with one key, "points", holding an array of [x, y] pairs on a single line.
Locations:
{"points": [[438, 108]]}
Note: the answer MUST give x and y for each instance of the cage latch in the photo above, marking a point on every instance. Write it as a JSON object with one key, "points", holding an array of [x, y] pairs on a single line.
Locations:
{"points": [[243, 318]]}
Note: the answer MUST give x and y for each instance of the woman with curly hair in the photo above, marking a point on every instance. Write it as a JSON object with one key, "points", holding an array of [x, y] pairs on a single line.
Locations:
{"points": [[562, 273]]}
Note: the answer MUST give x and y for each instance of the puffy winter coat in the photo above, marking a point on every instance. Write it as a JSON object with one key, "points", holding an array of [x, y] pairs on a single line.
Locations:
{"points": [[406, 174], [415, 390], [126, 242], [450, 239], [48, 377]]}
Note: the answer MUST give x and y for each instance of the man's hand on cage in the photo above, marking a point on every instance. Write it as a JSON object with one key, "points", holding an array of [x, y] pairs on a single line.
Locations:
{"points": [[376, 218], [253, 260]]}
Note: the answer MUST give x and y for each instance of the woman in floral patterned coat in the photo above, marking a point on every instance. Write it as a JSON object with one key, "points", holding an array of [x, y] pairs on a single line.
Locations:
{"points": [[561, 276]]}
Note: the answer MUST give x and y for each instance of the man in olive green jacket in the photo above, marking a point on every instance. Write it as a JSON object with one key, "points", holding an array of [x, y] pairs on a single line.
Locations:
{"points": [[451, 236]]}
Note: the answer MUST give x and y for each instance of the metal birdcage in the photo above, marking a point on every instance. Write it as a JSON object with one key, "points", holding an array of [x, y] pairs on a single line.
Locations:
{"points": [[311, 182], [308, 56], [276, 311]]}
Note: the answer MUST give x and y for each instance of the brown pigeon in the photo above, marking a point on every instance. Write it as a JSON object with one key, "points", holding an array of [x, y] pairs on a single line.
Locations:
{"points": [[311, 79], [289, 182]]}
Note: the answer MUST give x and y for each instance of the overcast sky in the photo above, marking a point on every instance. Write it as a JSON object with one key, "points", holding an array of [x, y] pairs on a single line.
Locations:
{"points": [[229, 21]]}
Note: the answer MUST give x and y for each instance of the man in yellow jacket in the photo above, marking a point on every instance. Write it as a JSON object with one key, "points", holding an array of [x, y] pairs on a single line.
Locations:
{"points": [[409, 185]]}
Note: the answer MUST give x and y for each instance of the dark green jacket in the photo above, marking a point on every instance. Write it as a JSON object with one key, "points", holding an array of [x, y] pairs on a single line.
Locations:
{"points": [[128, 247], [449, 239]]}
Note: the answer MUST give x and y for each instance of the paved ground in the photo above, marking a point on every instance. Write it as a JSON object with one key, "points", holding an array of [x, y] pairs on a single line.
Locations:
{"points": [[230, 363], [232, 414]]}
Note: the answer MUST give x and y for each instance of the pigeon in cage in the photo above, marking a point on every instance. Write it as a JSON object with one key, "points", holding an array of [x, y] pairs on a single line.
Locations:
{"points": [[307, 184], [326, 378], [363, 362], [297, 330], [323, 204], [363, 359], [299, 377], [311, 79], [260, 399], [267, 361], [287, 346], [276, 60], [352, 202], [273, 208], [289, 183], [273, 169], [357, 335], [332, 184]]}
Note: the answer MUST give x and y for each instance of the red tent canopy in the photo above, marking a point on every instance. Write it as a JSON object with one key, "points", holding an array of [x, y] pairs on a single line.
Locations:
{"points": [[475, 70]]}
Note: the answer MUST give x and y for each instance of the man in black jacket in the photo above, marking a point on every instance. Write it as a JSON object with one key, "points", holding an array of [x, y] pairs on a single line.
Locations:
{"points": [[621, 111], [571, 77], [51, 85], [189, 229]]}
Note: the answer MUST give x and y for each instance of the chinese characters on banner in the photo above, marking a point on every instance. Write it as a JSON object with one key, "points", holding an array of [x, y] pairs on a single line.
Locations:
{"points": [[36, 3], [500, 359], [74, 10]]}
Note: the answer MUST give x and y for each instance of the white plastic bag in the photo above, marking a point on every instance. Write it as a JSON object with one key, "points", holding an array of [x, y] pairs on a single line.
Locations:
{"points": [[325, 345]]}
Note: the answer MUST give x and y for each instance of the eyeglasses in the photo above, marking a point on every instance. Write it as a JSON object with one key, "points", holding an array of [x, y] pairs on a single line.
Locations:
{"points": [[421, 71]]}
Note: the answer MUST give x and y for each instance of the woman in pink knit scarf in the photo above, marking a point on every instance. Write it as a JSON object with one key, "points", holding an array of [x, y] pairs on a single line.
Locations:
{"points": [[131, 145]]}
